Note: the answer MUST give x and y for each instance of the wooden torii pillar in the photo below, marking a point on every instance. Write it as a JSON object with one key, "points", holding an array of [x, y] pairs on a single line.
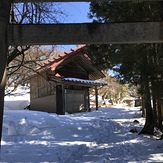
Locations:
{"points": [[4, 21]]}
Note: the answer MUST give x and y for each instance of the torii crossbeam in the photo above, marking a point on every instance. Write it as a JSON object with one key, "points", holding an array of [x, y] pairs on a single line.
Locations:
{"points": [[86, 33]]}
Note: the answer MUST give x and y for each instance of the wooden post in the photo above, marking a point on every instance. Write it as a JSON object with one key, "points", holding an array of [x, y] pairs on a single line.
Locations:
{"points": [[96, 95], [4, 20], [63, 98], [59, 100], [88, 100], [85, 97]]}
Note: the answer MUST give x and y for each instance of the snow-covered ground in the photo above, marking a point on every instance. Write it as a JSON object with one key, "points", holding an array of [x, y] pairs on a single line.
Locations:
{"points": [[18, 100], [101, 136]]}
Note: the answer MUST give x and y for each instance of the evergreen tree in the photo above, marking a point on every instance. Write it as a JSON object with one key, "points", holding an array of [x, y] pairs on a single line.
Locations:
{"points": [[136, 63]]}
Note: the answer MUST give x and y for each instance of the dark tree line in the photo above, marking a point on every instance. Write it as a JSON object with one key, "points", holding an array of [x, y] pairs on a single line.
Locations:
{"points": [[139, 64]]}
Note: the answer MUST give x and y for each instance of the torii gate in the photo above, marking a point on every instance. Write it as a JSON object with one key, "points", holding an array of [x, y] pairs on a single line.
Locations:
{"points": [[89, 33]]}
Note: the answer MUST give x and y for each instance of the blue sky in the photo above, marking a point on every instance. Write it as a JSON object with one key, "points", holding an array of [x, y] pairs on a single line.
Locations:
{"points": [[76, 12]]}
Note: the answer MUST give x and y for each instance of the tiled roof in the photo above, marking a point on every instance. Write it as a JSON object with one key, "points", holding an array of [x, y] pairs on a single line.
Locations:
{"points": [[52, 64], [79, 56]]}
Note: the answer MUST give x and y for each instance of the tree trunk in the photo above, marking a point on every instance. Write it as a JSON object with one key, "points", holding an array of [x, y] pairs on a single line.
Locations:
{"points": [[155, 111], [2, 92], [149, 123], [143, 107], [159, 115], [4, 20]]}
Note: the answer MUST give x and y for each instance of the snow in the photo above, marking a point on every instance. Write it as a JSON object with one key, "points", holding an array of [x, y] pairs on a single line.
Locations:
{"points": [[101, 136], [18, 100]]}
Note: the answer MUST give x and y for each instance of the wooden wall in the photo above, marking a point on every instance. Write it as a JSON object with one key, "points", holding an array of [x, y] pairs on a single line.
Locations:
{"points": [[74, 101], [40, 87], [42, 94], [46, 104]]}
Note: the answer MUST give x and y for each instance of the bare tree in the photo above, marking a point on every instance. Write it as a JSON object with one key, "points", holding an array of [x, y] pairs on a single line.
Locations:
{"points": [[22, 59], [37, 13], [28, 62], [114, 90]]}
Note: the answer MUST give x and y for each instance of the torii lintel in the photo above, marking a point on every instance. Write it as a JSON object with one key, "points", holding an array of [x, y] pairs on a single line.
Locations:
{"points": [[86, 33]]}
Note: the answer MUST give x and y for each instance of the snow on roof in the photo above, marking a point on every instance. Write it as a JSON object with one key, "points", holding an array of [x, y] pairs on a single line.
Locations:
{"points": [[102, 83]]}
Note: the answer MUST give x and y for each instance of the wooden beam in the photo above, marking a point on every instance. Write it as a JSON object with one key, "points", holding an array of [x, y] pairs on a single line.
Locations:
{"points": [[86, 33]]}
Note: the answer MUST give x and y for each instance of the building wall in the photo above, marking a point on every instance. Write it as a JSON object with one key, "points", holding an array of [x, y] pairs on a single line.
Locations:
{"points": [[40, 87], [74, 101], [43, 96], [46, 104]]}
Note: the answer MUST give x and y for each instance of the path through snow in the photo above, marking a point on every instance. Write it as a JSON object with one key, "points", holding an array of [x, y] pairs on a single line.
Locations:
{"points": [[99, 136]]}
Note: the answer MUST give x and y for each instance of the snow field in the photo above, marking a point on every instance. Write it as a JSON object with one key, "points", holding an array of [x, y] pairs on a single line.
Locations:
{"points": [[98, 136]]}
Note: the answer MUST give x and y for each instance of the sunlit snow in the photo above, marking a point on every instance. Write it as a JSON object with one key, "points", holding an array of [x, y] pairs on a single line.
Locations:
{"points": [[101, 136]]}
